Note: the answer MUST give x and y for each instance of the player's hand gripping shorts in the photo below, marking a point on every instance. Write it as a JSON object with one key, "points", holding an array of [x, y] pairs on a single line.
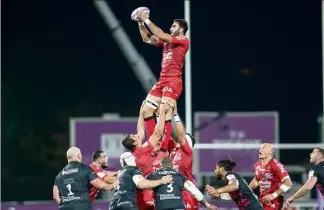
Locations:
{"points": [[275, 204], [190, 201], [167, 88], [145, 200]]}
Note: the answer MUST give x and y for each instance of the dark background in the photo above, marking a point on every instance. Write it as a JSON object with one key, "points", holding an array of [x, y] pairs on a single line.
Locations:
{"points": [[59, 61]]}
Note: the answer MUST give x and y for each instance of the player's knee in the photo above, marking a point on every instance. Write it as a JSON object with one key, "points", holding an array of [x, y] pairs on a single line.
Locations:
{"points": [[149, 107]]}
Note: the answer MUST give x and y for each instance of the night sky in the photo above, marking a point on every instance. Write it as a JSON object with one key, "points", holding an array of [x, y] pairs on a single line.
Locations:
{"points": [[246, 56]]}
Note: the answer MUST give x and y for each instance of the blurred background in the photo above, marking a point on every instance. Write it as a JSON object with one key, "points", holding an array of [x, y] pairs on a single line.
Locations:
{"points": [[60, 61]]}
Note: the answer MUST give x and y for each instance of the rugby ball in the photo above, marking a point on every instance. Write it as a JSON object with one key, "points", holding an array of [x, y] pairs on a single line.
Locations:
{"points": [[137, 11]]}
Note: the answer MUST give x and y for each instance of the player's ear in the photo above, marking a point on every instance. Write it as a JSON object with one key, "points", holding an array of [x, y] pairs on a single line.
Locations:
{"points": [[181, 30]]}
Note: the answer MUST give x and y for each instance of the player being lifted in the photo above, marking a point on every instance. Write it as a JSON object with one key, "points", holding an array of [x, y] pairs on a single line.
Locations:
{"points": [[131, 178], [142, 152], [271, 177], [169, 87]]}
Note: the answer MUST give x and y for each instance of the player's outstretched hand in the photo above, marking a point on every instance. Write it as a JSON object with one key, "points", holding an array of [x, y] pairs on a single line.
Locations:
{"points": [[166, 179], [142, 16], [290, 200], [211, 207], [268, 198]]}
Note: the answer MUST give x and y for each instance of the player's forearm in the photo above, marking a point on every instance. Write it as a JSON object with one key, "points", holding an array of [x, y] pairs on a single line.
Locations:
{"points": [[301, 192], [57, 200], [159, 127], [149, 184], [144, 32], [154, 29], [254, 184], [284, 187], [227, 189], [141, 126], [110, 179], [205, 202]]}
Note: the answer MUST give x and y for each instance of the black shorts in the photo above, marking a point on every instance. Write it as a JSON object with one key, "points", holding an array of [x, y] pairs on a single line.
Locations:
{"points": [[123, 205], [76, 207]]}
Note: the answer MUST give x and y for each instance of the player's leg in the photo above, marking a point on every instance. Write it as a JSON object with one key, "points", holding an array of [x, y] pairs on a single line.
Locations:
{"points": [[148, 200], [152, 103], [190, 202], [168, 124]]}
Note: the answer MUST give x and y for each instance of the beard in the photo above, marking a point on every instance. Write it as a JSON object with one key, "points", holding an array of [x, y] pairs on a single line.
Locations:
{"points": [[175, 33], [219, 177], [103, 166]]}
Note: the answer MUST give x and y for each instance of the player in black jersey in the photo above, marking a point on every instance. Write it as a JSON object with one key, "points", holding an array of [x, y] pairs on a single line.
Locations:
{"points": [[169, 196], [72, 185], [316, 176], [237, 189], [130, 178]]}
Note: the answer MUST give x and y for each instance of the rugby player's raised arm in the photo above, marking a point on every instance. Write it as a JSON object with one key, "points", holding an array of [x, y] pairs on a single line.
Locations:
{"points": [[159, 127], [140, 123], [147, 37], [142, 183], [56, 195]]}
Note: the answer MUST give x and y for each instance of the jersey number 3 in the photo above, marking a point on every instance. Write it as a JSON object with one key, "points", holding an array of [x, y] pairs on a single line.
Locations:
{"points": [[170, 188], [69, 189]]}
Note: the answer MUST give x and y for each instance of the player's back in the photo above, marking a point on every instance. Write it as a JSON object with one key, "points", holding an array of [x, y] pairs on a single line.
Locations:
{"points": [[126, 187], [74, 185], [169, 196], [244, 197]]}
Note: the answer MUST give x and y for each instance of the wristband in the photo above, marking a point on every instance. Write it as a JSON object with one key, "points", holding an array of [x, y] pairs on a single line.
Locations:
{"points": [[177, 118], [275, 194], [147, 21]]}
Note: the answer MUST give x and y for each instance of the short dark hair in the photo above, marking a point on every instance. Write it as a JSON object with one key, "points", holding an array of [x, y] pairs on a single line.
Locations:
{"points": [[227, 164], [183, 24], [96, 155], [166, 162], [193, 141], [128, 142]]}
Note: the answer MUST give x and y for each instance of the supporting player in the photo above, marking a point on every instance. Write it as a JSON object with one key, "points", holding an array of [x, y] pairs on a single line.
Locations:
{"points": [[169, 87], [237, 188], [271, 177], [142, 152], [131, 178], [99, 163], [169, 197], [182, 158], [316, 176], [72, 185]]}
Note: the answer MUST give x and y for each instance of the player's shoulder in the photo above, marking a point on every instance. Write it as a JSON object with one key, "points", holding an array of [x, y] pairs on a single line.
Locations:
{"points": [[258, 164], [230, 175], [275, 163]]}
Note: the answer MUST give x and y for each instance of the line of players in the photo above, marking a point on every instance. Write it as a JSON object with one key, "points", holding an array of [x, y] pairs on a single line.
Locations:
{"points": [[75, 185]]}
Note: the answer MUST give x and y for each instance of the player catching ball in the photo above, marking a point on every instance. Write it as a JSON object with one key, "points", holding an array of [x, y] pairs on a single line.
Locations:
{"points": [[169, 87]]}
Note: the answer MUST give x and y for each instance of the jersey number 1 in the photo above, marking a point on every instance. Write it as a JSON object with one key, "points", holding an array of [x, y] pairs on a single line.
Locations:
{"points": [[69, 189]]}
